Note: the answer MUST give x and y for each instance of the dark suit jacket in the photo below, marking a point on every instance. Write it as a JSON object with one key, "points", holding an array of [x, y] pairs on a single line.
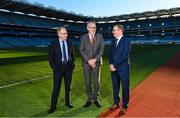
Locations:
{"points": [[119, 57], [55, 55], [86, 50]]}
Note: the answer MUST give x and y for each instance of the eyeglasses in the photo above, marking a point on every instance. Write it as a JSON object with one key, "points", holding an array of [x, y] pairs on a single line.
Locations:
{"points": [[63, 33], [92, 27], [115, 30]]}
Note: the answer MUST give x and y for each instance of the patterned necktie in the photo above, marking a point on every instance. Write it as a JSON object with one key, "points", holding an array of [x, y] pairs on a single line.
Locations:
{"points": [[64, 52], [91, 40]]}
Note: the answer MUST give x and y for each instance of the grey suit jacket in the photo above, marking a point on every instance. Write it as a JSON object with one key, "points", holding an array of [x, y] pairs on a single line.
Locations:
{"points": [[89, 52]]}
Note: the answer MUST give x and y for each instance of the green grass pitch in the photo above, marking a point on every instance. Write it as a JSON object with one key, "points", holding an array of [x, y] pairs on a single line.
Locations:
{"points": [[33, 98]]}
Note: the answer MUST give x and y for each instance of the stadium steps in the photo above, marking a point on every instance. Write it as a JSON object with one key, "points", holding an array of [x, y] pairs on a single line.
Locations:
{"points": [[6, 43], [13, 42], [25, 42]]}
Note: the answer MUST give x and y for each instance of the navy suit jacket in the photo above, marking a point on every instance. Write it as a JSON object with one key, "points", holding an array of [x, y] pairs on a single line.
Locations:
{"points": [[119, 57], [55, 55]]}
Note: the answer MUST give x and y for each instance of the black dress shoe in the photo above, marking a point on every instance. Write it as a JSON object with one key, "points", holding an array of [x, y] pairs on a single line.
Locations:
{"points": [[97, 103], [88, 103], [51, 110], [69, 105]]}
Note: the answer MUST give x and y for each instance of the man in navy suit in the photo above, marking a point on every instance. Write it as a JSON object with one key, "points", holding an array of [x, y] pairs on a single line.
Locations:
{"points": [[61, 60], [119, 65]]}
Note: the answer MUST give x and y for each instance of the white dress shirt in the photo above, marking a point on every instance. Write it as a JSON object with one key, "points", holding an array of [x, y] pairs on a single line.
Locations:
{"points": [[118, 39]]}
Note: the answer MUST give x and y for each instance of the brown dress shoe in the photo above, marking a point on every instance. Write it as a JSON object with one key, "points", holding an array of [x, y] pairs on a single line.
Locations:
{"points": [[114, 106], [123, 111]]}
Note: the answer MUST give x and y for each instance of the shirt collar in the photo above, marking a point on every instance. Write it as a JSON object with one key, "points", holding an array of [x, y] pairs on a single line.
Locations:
{"points": [[61, 40], [91, 35], [119, 37]]}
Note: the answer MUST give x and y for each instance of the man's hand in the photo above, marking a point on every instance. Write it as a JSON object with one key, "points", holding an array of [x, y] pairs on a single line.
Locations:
{"points": [[92, 63], [93, 66], [112, 68]]}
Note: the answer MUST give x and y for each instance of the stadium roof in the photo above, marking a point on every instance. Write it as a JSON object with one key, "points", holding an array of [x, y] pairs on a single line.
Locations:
{"points": [[37, 9], [163, 13]]}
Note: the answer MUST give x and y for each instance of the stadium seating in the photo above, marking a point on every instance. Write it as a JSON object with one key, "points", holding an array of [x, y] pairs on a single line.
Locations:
{"points": [[17, 30]]}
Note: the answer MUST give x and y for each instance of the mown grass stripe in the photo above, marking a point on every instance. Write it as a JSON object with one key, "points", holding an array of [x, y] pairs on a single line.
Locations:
{"points": [[23, 82]]}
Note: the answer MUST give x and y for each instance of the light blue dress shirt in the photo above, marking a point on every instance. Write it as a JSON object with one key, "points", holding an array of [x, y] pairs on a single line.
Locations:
{"points": [[66, 47]]}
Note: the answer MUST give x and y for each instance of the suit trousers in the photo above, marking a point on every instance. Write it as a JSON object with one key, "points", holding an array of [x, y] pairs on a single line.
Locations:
{"points": [[66, 72], [116, 79], [92, 80]]}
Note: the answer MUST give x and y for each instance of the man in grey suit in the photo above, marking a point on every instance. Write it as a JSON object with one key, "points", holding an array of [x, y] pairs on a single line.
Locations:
{"points": [[91, 48]]}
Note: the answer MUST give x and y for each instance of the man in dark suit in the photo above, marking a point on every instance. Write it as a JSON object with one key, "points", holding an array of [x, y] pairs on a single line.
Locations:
{"points": [[91, 48], [61, 60], [119, 65]]}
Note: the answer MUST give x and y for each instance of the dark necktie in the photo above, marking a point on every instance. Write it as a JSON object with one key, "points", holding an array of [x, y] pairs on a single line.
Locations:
{"points": [[116, 42], [64, 52]]}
